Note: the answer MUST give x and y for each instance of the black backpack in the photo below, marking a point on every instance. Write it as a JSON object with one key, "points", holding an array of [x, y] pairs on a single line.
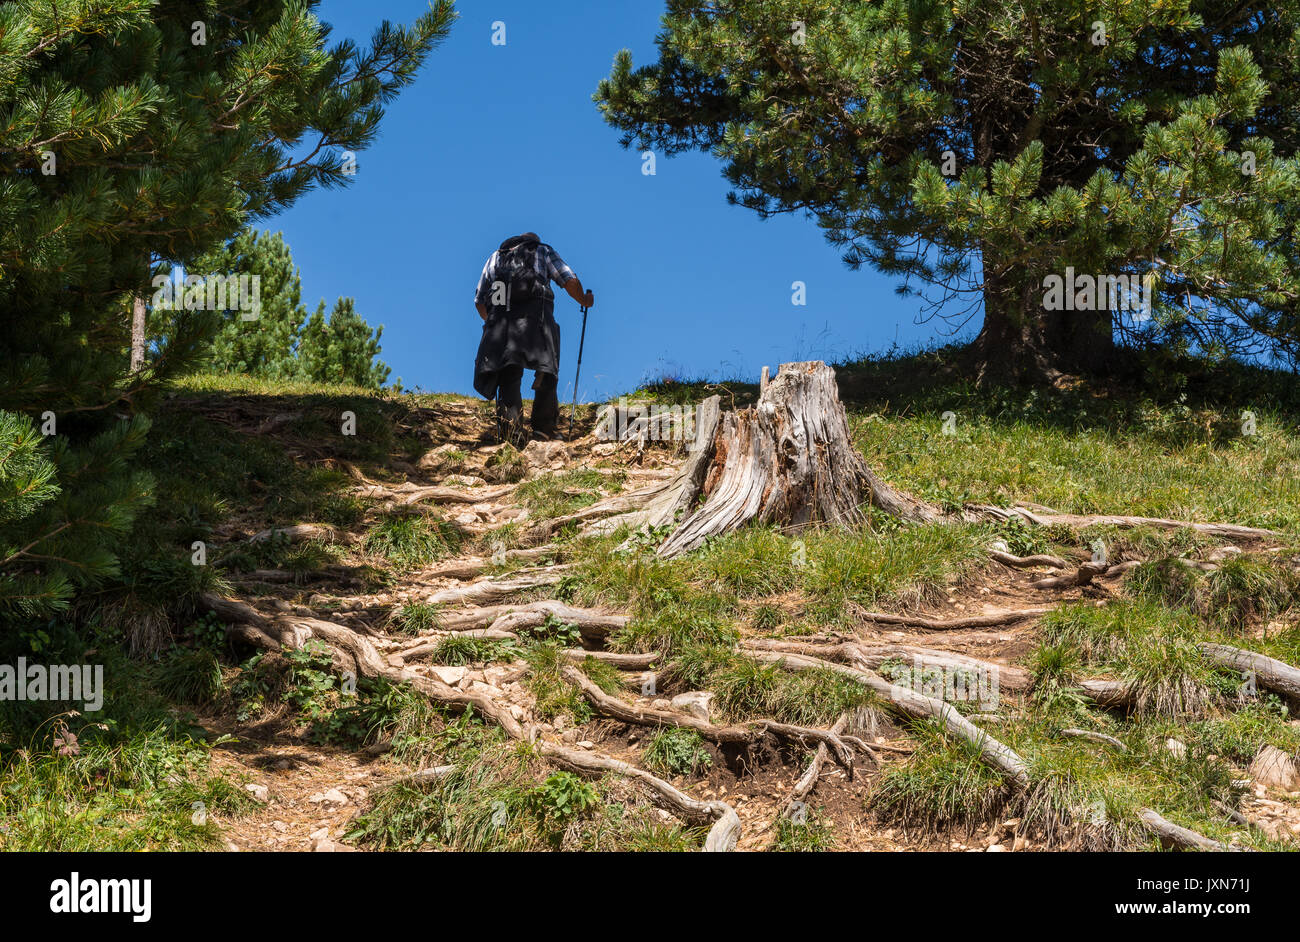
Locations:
{"points": [[516, 267]]}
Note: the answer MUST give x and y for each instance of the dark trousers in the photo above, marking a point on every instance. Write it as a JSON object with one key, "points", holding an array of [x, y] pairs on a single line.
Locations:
{"points": [[510, 403]]}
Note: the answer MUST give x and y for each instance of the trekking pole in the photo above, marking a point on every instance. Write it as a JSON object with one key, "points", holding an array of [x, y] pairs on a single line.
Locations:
{"points": [[581, 341]]}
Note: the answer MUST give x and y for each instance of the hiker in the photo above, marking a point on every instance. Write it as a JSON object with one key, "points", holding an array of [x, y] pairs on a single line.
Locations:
{"points": [[515, 300]]}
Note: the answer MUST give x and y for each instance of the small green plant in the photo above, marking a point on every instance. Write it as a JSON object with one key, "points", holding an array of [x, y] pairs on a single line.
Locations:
{"points": [[807, 835], [1021, 538], [554, 495], [458, 650], [553, 694], [310, 680], [555, 631], [677, 751], [562, 798], [207, 631], [767, 618], [378, 708], [507, 465]]}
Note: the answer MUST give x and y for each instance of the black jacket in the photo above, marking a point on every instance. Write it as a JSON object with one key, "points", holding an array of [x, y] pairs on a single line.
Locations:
{"points": [[526, 335]]}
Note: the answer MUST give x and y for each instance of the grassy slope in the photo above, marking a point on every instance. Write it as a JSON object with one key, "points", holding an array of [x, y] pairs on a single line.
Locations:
{"points": [[1177, 454]]}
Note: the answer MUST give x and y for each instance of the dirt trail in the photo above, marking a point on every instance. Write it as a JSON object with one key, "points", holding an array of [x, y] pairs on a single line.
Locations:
{"points": [[311, 792]]}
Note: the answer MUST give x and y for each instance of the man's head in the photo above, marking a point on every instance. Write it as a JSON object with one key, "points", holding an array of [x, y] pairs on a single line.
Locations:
{"points": [[519, 240]]}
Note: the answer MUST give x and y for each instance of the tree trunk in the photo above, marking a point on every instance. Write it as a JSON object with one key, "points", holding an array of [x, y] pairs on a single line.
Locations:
{"points": [[1021, 342], [137, 334], [789, 459]]}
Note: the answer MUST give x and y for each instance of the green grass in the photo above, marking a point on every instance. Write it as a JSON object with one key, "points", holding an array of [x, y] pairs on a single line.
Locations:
{"points": [[134, 775], [1170, 447], [459, 650], [1143, 451], [411, 540], [1149, 647], [1082, 795], [413, 617], [499, 796], [555, 495], [1244, 590]]}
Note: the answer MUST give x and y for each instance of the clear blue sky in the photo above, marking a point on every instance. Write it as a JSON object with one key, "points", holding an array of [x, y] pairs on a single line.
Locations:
{"points": [[495, 140]]}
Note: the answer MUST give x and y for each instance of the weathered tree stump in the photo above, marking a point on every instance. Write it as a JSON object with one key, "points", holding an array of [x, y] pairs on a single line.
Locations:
{"points": [[789, 459]]}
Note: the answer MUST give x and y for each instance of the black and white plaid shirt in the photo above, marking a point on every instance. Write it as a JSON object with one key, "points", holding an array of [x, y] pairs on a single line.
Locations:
{"points": [[548, 264]]}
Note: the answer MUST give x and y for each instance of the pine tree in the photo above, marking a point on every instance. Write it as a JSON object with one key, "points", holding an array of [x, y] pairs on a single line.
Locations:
{"points": [[259, 343], [133, 132], [278, 340], [343, 349], [976, 148]]}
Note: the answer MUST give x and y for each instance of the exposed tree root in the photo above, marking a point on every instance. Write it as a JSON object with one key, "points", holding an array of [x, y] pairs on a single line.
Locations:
{"points": [[808, 780], [870, 656], [1229, 531], [917, 706], [1085, 574], [284, 631], [723, 822], [493, 590], [747, 734], [593, 625], [468, 567], [407, 495], [1111, 694], [284, 576], [1028, 562], [991, 620], [1270, 673], [305, 531], [1171, 834], [626, 662]]}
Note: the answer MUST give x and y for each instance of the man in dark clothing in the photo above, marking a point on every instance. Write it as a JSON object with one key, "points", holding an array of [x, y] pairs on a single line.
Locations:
{"points": [[515, 300]]}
